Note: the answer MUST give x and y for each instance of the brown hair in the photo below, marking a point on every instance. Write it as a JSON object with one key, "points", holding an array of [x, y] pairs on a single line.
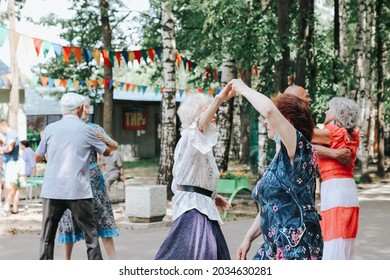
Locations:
{"points": [[296, 111], [25, 143]]}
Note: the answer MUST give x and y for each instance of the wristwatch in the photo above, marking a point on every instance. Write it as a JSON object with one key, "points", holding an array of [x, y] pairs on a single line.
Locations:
{"points": [[108, 142]]}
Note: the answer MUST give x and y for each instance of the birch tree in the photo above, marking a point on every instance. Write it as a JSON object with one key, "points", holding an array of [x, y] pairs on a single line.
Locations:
{"points": [[108, 97], [362, 90], [168, 104], [14, 94], [221, 149]]}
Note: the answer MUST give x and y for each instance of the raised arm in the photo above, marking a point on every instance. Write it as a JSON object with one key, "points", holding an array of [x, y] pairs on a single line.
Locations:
{"points": [[209, 113], [268, 110]]}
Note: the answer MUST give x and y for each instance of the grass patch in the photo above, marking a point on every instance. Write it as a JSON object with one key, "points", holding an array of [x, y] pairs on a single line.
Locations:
{"points": [[150, 162]]}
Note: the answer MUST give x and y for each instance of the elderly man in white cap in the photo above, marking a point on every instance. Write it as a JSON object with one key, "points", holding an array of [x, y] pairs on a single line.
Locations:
{"points": [[67, 144]]}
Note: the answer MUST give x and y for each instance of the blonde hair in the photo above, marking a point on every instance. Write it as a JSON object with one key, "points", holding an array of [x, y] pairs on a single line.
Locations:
{"points": [[191, 107]]}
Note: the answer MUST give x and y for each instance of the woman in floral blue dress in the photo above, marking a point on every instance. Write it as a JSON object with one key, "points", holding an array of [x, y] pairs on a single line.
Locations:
{"points": [[69, 232], [288, 218]]}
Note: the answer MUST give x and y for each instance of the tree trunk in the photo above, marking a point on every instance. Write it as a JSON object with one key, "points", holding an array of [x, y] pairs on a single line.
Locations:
{"points": [[303, 40], [225, 113], [282, 66], [342, 50], [262, 136], [362, 91], [381, 62], [235, 147], [14, 69], [108, 97], [168, 103], [312, 68]]}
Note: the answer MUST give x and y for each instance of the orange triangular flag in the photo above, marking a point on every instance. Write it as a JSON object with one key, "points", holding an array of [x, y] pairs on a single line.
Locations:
{"points": [[179, 60], [132, 87], [44, 81], [77, 53], [66, 51], [76, 84], [127, 86], [94, 83], [151, 53], [64, 82], [37, 45], [106, 58]]}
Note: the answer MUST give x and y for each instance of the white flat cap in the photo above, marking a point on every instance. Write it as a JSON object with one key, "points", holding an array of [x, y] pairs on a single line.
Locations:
{"points": [[71, 101]]}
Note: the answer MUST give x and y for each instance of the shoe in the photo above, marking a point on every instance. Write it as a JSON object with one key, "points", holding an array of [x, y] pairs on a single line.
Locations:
{"points": [[14, 212]]}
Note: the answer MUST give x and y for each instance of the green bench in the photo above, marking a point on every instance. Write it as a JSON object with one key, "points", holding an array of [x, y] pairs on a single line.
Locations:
{"points": [[29, 186], [232, 187]]}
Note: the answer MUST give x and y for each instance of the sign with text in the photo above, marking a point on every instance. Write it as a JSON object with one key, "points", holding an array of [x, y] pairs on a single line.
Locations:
{"points": [[134, 118]]}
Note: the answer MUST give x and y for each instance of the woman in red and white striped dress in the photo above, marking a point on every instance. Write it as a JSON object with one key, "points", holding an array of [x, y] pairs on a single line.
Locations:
{"points": [[339, 198]]}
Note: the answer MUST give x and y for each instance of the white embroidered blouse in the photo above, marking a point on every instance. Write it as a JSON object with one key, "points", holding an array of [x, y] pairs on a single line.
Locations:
{"points": [[194, 165]]}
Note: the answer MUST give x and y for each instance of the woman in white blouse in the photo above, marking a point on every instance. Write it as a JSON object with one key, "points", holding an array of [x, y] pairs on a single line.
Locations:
{"points": [[196, 232]]}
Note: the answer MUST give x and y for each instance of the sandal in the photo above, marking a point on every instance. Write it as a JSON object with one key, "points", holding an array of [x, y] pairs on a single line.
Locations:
{"points": [[14, 212]]}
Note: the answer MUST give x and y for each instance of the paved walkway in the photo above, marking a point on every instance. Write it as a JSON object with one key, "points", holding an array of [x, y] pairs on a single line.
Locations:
{"points": [[141, 243]]}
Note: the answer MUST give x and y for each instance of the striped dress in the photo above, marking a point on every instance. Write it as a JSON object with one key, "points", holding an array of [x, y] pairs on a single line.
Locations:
{"points": [[339, 199]]}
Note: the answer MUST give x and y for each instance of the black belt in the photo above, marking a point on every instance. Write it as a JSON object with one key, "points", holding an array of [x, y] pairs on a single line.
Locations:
{"points": [[187, 188]]}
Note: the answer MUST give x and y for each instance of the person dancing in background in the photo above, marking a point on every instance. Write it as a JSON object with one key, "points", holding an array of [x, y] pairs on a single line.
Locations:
{"points": [[196, 232], [67, 145], [339, 197], [69, 232], [288, 218]]}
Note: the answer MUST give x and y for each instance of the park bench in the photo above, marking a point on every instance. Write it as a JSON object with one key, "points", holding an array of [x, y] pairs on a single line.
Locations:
{"points": [[31, 188], [233, 187]]}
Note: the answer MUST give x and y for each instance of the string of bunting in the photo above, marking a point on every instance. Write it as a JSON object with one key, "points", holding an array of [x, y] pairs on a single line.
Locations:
{"points": [[106, 83], [109, 56]]}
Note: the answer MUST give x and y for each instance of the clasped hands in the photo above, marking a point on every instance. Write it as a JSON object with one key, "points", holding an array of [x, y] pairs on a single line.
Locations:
{"points": [[233, 88]]}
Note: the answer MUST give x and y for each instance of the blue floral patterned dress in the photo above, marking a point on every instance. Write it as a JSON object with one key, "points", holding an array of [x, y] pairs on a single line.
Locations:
{"points": [[289, 220], [68, 230]]}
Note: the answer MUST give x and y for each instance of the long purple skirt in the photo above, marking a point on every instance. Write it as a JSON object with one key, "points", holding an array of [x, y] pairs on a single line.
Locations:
{"points": [[194, 236]]}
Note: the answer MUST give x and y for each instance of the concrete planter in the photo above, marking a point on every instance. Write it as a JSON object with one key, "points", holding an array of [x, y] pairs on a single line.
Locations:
{"points": [[146, 204]]}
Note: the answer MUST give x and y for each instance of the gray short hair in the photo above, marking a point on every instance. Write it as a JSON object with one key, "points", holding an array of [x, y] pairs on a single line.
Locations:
{"points": [[191, 107], [346, 112]]}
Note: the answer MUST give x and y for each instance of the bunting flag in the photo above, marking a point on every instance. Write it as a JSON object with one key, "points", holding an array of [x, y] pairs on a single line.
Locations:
{"points": [[151, 53], [131, 57], [57, 50], [137, 55], [45, 48], [44, 81], [87, 55], [111, 56], [3, 35], [125, 55], [96, 55], [66, 52], [77, 53], [118, 58], [37, 45], [106, 58], [144, 55], [179, 60]]}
